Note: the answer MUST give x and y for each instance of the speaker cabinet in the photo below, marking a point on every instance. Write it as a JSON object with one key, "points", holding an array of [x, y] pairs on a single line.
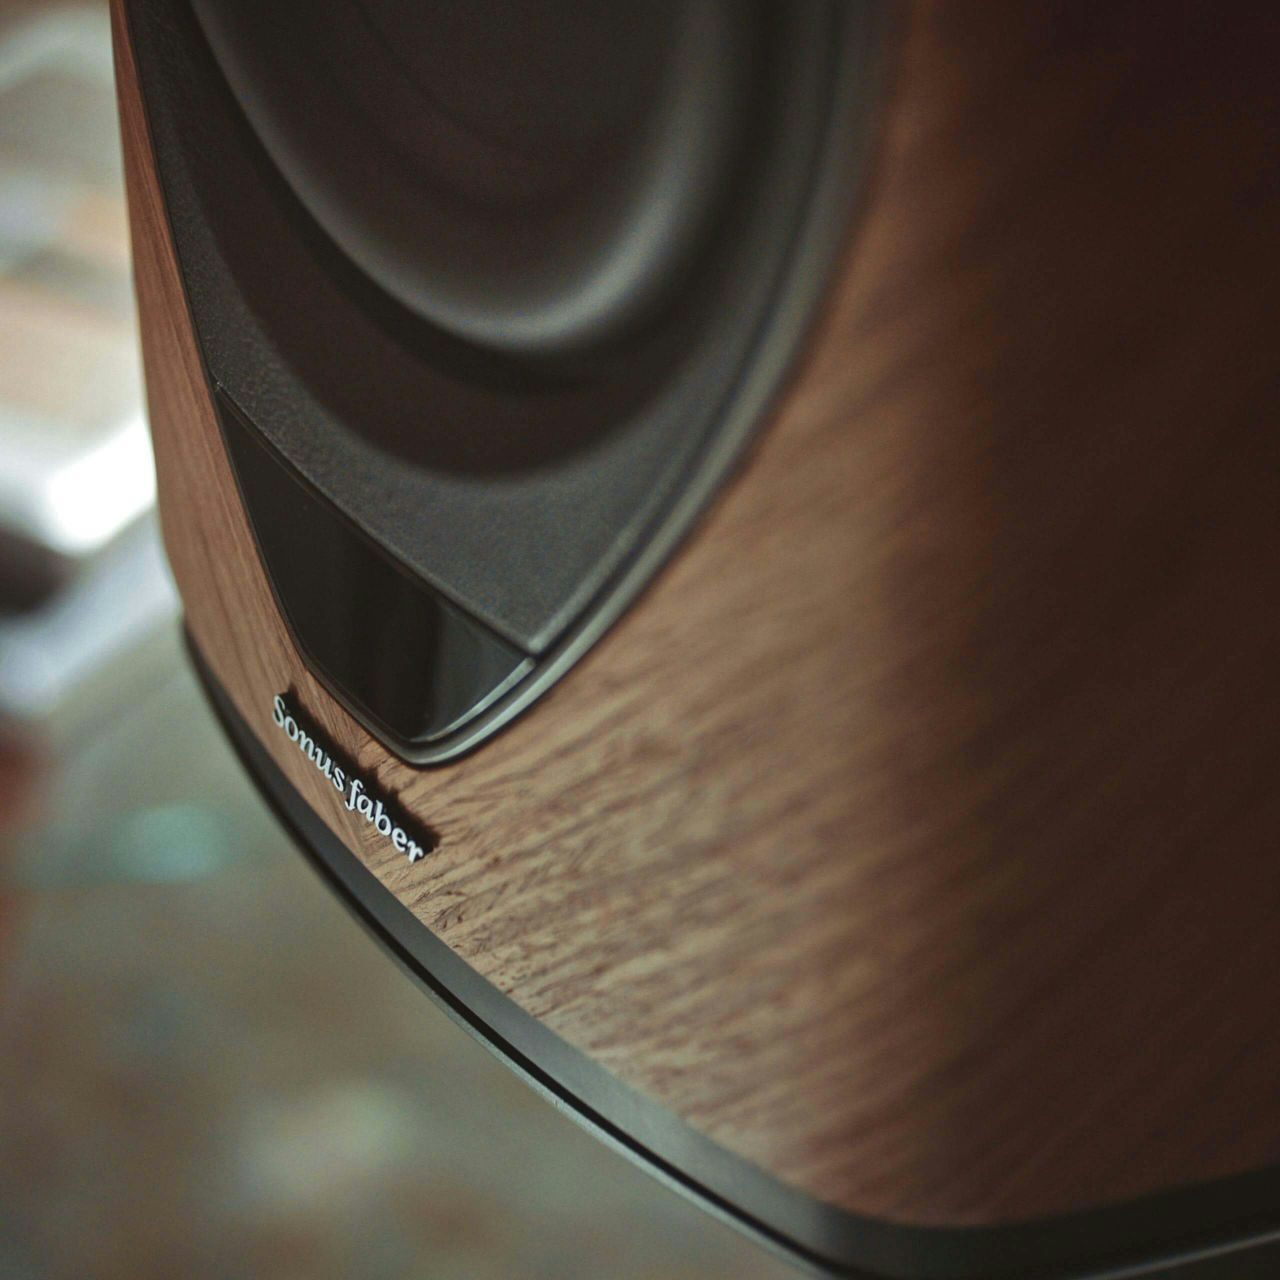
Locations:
{"points": [[742, 539]]}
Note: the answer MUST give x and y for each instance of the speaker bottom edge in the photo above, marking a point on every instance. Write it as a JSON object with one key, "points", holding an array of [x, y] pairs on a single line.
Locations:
{"points": [[1224, 1224]]}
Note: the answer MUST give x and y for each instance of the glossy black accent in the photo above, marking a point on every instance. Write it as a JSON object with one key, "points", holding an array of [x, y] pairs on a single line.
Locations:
{"points": [[1223, 1230], [405, 660], [538, 497]]}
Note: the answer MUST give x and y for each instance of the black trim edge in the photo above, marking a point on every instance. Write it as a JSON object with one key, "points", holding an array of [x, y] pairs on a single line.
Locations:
{"points": [[1205, 1232]]}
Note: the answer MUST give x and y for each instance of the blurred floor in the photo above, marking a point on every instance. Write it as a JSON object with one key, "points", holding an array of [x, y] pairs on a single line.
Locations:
{"points": [[209, 1070], [206, 1067]]}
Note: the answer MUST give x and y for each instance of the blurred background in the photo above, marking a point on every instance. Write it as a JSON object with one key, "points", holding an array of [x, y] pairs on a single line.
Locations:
{"points": [[206, 1068]]}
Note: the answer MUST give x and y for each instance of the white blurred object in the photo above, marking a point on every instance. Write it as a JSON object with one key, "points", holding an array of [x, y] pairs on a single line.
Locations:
{"points": [[74, 496], [75, 463], [69, 36], [87, 610], [72, 660]]}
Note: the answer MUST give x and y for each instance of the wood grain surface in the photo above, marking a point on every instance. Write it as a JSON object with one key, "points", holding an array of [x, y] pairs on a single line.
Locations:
{"points": [[917, 835]]}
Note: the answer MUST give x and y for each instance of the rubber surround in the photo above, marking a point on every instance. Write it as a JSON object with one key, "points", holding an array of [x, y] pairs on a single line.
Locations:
{"points": [[534, 497], [523, 190]]}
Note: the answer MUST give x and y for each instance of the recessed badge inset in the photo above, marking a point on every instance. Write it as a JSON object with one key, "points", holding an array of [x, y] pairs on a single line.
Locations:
{"points": [[356, 794]]}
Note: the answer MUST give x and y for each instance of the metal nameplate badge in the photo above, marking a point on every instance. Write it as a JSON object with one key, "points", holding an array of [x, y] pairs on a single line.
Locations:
{"points": [[357, 795]]}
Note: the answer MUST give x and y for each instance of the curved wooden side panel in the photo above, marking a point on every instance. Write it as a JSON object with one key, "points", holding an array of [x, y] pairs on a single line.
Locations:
{"points": [[916, 837]]}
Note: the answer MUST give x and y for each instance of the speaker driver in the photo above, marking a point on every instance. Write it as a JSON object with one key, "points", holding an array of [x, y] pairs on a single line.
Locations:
{"points": [[529, 176], [788, 659], [493, 297]]}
